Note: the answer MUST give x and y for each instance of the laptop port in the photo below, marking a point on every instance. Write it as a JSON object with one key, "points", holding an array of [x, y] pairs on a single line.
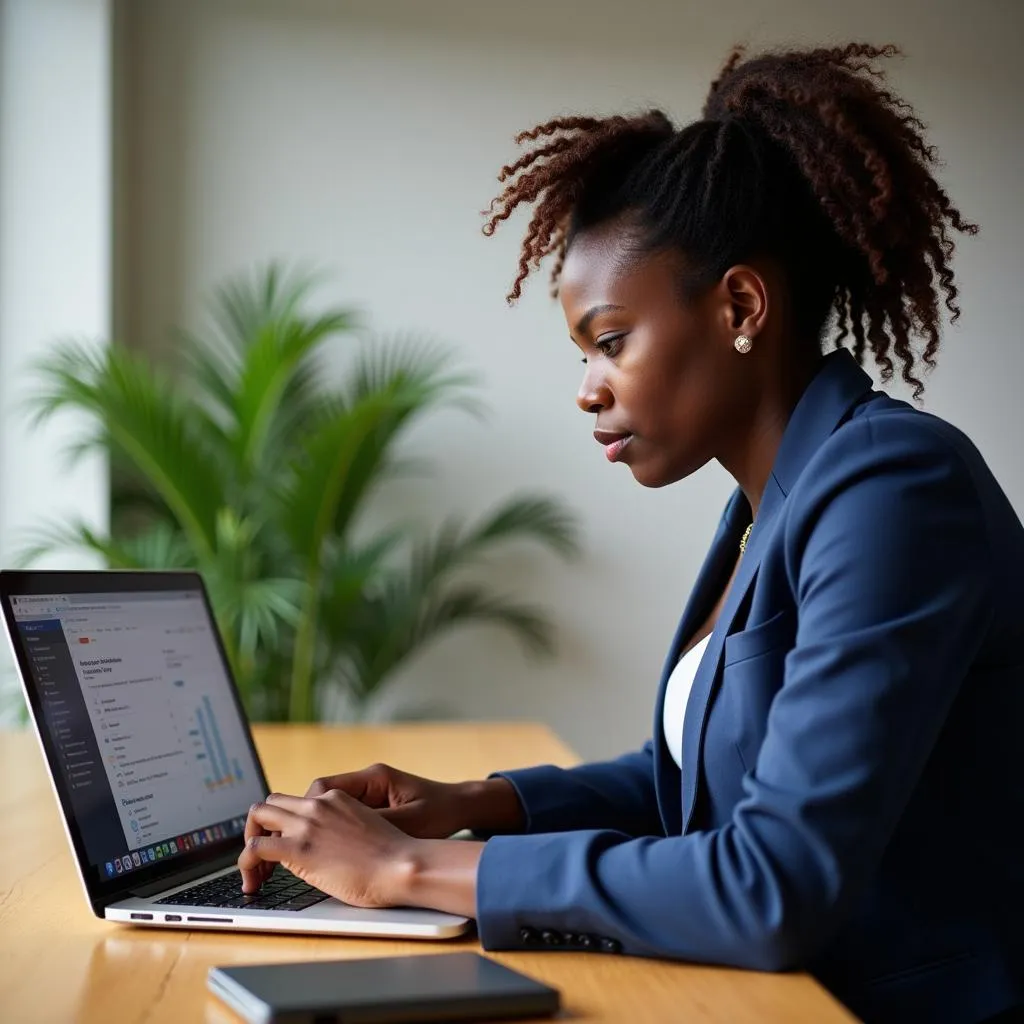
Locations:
{"points": [[142, 917], [211, 920], [172, 917]]}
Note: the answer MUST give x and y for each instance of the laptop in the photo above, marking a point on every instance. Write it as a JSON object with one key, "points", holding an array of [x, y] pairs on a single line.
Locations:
{"points": [[152, 759]]}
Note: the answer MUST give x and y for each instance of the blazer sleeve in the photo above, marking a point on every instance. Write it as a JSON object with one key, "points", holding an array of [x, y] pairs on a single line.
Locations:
{"points": [[889, 558], [615, 794]]}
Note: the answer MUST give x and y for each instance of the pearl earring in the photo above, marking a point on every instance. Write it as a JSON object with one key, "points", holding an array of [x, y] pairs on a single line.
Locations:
{"points": [[743, 344]]}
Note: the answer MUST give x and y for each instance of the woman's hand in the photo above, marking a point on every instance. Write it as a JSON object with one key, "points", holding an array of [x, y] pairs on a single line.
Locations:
{"points": [[331, 841], [427, 809]]}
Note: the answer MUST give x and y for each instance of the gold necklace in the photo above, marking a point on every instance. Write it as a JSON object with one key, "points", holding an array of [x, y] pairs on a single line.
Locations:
{"points": [[745, 538]]}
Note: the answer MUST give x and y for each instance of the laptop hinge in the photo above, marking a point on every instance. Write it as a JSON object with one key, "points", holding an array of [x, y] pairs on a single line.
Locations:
{"points": [[208, 867]]}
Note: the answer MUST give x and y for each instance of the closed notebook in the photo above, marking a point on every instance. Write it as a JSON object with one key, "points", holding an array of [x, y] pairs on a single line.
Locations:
{"points": [[382, 990]]}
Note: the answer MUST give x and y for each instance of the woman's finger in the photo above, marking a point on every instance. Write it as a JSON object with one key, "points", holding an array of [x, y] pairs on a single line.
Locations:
{"points": [[366, 786], [263, 818], [297, 805], [270, 817], [260, 851]]}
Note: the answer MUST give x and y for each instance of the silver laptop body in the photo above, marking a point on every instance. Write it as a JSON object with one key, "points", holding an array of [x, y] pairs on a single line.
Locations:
{"points": [[151, 757]]}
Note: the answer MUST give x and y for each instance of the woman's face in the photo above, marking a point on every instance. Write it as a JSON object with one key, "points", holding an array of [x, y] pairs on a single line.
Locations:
{"points": [[661, 375]]}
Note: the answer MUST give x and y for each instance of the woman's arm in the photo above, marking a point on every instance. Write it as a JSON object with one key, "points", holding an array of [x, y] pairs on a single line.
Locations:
{"points": [[348, 841], [615, 794], [440, 874]]}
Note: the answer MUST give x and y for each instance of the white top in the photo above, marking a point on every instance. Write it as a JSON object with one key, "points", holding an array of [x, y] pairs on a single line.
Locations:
{"points": [[677, 693]]}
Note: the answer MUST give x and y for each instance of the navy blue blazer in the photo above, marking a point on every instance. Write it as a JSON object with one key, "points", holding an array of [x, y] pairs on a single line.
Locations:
{"points": [[849, 801]]}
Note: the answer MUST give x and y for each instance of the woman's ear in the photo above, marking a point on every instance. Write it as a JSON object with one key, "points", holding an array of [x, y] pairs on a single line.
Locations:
{"points": [[747, 295]]}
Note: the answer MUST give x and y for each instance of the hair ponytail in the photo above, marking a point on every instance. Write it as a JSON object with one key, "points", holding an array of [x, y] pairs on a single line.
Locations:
{"points": [[801, 155]]}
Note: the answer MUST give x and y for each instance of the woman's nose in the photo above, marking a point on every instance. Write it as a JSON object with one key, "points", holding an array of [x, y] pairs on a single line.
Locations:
{"points": [[593, 395]]}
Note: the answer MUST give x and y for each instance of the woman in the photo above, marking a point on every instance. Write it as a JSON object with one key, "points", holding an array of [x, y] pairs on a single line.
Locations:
{"points": [[831, 783]]}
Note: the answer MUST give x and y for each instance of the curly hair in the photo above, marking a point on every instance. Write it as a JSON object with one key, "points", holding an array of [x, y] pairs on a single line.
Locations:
{"points": [[801, 155]]}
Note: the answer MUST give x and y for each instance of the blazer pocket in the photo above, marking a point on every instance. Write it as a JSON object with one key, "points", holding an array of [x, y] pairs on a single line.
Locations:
{"points": [[778, 631]]}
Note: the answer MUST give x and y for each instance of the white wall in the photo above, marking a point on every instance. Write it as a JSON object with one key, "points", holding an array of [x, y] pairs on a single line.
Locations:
{"points": [[367, 138], [55, 277]]}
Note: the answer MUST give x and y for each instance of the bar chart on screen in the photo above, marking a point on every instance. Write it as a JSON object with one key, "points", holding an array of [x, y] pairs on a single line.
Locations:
{"points": [[218, 771]]}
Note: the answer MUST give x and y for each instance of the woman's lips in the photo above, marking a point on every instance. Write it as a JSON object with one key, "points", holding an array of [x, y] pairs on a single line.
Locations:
{"points": [[615, 449], [614, 443]]}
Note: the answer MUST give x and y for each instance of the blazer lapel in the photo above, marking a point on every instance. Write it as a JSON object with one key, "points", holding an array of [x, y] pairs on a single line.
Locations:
{"points": [[708, 671], [708, 588]]}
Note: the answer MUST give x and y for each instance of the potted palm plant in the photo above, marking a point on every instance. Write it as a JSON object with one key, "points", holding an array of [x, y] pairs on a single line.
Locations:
{"points": [[241, 462]]}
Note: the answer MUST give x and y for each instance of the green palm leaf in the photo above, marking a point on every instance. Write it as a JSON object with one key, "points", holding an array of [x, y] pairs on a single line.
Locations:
{"points": [[146, 421], [265, 354], [212, 370], [414, 363], [261, 613], [473, 603], [277, 351], [311, 504], [319, 471], [300, 408], [416, 376], [348, 574], [414, 606], [160, 547], [245, 304], [532, 518]]}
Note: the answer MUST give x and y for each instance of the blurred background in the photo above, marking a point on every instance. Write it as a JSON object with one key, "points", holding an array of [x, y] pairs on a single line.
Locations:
{"points": [[151, 150]]}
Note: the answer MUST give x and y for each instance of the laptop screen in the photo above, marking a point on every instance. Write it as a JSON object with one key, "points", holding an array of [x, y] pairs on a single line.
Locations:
{"points": [[142, 720]]}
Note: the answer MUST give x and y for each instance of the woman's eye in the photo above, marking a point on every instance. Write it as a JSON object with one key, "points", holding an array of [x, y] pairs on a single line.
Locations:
{"points": [[609, 345]]}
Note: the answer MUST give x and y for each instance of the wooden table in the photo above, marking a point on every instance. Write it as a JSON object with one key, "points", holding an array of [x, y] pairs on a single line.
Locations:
{"points": [[58, 963]]}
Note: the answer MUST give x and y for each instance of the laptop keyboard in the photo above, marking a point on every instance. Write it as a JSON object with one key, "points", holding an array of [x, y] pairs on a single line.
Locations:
{"points": [[281, 891]]}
